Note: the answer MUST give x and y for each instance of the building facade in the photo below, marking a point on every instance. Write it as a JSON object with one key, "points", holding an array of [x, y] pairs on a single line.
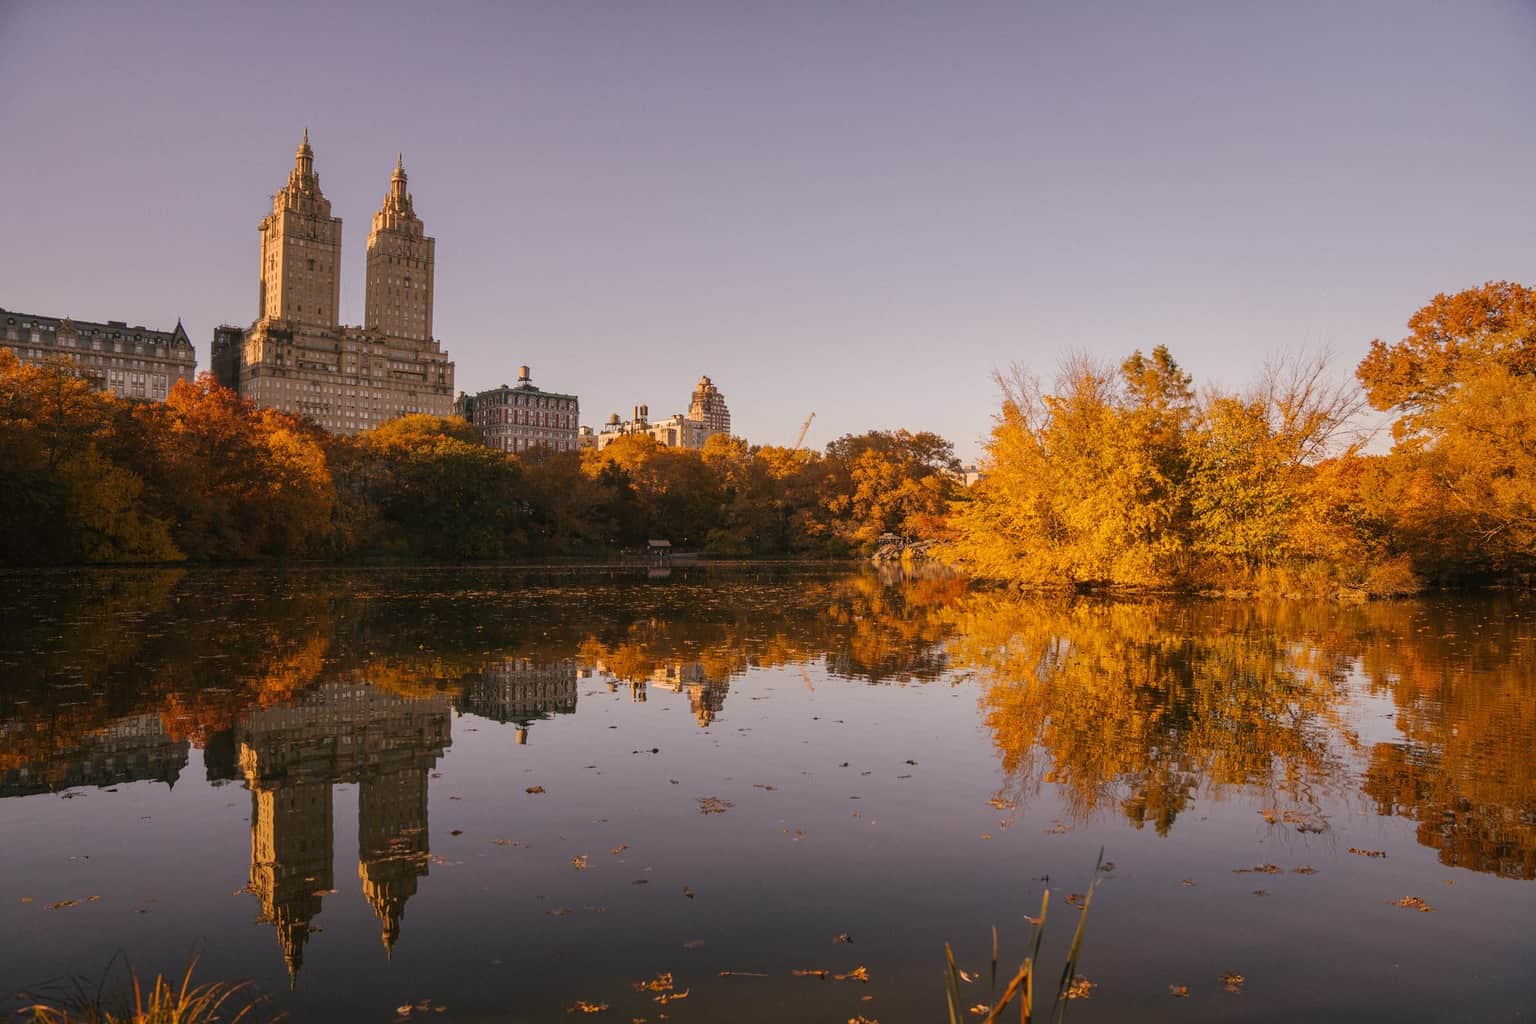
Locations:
{"points": [[298, 357], [131, 362], [707, 415], [228, 342], [708, 408], [517, 419]]}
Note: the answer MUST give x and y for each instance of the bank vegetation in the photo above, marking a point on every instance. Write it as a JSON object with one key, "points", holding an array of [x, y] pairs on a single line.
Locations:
{"points": [[1113, 477]]}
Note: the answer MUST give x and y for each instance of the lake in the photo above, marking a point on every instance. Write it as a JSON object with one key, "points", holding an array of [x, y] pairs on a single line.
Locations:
{"points": [[497, 794]]}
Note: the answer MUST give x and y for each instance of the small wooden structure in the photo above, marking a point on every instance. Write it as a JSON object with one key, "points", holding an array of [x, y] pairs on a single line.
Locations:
{"points": [[658, 552]]}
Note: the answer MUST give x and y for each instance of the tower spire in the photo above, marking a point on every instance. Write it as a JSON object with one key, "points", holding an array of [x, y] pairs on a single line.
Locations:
{"points": [[304, 159]]}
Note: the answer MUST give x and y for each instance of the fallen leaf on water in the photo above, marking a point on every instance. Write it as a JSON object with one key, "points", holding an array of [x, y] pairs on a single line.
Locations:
{"points": [[456, 832], [764, 786], [62, 904], [1261, 892], [534, 789], [843, 937], [1081, 987], [1258, 869], [862, 1020], [667, 997], [1232, 981], [579, 863], [1189, 882], [1179, 991], [986, 835], [980, 1010], [714, 805], [1074, 899], [1414, 903], [966, 976], [1367, 853], [661, 983], [26, 899], [1305, 869], [688, 891], [619, 849], [809, 972], [742, 974], [859, 973], [582, 1006]]}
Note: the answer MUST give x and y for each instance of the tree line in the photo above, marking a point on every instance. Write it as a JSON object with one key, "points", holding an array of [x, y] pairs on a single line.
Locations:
{"points": [[1128, 477], [87, 477], [1121, 476]]}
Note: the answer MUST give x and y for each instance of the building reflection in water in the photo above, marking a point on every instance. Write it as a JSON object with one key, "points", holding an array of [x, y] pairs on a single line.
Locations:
{"points": [[291, 756], [135, 748], [520, 691], [706, 696]]}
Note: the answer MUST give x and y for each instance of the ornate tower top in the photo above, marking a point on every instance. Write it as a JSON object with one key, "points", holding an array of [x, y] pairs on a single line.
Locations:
{"points": [[398, 297], [397, 210], [303, 177], [300, 249]]}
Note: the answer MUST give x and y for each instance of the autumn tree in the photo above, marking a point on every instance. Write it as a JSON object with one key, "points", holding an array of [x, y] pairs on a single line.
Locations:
{"points": [[65, 498], [881, 482], [1463, 470], [443, 494], [236, 481]]}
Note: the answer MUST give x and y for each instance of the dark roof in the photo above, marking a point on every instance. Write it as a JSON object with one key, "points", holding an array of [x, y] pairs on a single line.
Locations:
{"points": [[176, 335]]}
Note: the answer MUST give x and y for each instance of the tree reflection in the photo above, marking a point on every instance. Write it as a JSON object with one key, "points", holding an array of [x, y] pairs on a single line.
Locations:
{"points": [[1145, 705], [1136, 708]]}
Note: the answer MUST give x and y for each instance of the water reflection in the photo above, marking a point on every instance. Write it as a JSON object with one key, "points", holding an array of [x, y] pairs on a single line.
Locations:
{"points": [[295, 683], [1144, 706], [520, 691], [291, 756]]}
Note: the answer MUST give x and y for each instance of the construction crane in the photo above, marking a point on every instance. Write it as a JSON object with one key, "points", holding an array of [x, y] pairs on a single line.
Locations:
{"points": [[804, 427]]}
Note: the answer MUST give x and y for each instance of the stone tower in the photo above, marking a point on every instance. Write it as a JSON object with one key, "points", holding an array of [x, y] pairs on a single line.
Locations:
{"points": [[301, 250], [400, 267], [708, 408]]}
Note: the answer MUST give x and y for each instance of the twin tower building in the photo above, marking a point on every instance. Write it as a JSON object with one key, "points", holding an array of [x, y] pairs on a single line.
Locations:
{"points": [[298, 357]]}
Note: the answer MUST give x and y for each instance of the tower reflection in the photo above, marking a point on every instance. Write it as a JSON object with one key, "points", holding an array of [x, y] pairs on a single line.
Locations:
{"points": [[291, 756]]}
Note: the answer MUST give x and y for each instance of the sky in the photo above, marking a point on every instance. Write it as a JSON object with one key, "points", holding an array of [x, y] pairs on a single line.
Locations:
{"points": [[858, 209]]}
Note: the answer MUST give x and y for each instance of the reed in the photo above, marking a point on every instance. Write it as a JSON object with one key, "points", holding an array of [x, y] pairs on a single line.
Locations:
{"points": [[1022, 986], [161, 1001]]}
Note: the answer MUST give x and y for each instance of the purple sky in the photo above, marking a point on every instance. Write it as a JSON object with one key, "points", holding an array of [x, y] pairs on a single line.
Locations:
{"points": [[856, 208]]}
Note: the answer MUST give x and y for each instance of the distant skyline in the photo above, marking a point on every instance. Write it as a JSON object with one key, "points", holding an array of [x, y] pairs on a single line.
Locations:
{"points": [[857, 208]]}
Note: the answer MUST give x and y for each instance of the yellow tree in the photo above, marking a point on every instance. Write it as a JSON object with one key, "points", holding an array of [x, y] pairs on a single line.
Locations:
{"points": [[1463, 383]]}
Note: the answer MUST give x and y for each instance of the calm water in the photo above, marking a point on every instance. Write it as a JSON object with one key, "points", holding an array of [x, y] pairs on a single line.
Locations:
{"points": [[501, 792]]}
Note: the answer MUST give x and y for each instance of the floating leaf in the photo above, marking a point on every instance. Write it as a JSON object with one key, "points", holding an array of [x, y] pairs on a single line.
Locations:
{"points": [[1414, 903]]}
